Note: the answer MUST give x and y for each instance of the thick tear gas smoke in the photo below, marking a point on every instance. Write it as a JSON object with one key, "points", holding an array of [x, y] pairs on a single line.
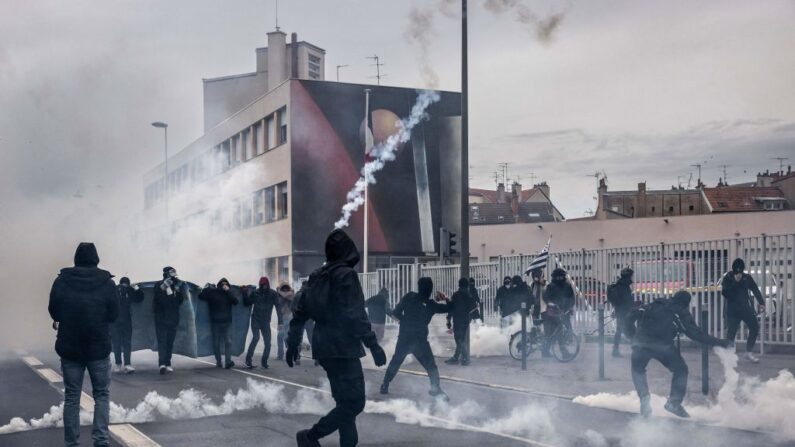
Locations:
{"points": [[744, 403], [543, 28], [419, 31], [385, 152]]}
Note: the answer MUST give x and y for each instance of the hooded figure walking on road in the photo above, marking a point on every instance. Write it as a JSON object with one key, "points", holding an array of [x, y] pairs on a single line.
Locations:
{"points": [[84, 302], [285, 310], [167, 300], [121, 330], [463, 309], [737, 288], [414, 312], [653, 328], [340, 331], [220, 300], [619, 294], [264, 300], [377, 310]]}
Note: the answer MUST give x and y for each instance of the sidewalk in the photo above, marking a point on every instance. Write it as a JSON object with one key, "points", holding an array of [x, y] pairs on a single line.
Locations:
{"points": [[580, 377]]}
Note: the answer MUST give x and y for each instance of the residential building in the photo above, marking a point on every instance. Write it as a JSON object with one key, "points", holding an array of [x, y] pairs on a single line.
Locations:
{"points": [[488, 207]]}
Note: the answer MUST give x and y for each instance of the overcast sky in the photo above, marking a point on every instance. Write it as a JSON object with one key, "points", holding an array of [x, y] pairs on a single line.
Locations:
{"points": [[640, 90]]}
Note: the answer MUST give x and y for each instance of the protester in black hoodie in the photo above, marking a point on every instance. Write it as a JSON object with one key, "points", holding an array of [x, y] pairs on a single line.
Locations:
{"points": [[220, 301], [377, 310], [737, 288], [264, 300], [502, 301], [168, 297], [121, 332], [559, 297], [463, 308], [414, 312], [83, 302], [619, 294], [337, 343]]}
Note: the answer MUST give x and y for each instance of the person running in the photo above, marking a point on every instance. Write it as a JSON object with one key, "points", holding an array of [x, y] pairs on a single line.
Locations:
{"points": [[737, 288]]}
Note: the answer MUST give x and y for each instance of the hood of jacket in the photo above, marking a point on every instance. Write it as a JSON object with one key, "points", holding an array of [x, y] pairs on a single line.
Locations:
{"points": [[86, 255], [84, 278], [340, 248]]}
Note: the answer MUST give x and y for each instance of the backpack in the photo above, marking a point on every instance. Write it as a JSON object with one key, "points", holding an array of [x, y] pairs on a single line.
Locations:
{"points": [[612, 294], [658, 321], [314, 299]]}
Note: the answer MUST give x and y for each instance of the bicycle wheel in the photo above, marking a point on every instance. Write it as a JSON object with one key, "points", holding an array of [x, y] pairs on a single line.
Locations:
{"points": [[565, 345], [514, 346]]}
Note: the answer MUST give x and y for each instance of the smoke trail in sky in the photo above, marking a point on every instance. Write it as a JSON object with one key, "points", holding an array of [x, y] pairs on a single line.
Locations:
{"points": [[385, 152]]}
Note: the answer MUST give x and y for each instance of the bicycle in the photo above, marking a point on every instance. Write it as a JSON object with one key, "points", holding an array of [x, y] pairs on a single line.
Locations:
{"points": [[563, 342]]}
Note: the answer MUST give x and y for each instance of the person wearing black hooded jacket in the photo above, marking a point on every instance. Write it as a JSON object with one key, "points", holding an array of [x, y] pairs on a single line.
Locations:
{"points": [[337, 343], [463, 308], [653, 328], [502, 301], [168, 297], [84, 303], [264, 300], [414, 312], [737, 288], [619, 294], [220, 301], [121, 331], [559, 298]]}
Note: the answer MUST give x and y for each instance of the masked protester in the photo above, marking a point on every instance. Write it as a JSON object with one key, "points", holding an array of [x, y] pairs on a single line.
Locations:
{"points": [[377, 309], [559, 298], [84, 301], [520, 293], [653, 328], [337, 342], [121, 330], [220, 301], [502, 301], [537, 290], [414, 312], [462, 309], [264, 300], [285, 309], [619, 294], [736, 288], [168, 297]]}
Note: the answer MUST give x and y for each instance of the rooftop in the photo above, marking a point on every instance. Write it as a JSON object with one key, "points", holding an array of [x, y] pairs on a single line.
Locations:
{"points": [[741, 198], [502, 213]]}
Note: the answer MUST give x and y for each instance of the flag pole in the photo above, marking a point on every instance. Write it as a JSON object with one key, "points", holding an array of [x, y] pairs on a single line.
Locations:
{"points": [[366, 179]]}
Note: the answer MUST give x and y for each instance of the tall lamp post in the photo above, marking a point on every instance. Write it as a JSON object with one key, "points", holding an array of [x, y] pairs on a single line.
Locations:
{"points": [[464, 146], [164, 126]]}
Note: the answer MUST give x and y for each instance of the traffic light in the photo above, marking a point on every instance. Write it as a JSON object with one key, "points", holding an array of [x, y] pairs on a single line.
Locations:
{"points": [[444, 249], [451, 244]]}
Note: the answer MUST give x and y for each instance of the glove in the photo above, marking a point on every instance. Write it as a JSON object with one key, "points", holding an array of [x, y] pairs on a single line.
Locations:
{"points": [[55, 325], [379, 356], [291, 355], [449, 325]]}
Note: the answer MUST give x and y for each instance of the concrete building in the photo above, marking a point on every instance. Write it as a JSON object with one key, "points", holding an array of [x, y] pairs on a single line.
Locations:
{"points": [[488, 207], [260, 190]]}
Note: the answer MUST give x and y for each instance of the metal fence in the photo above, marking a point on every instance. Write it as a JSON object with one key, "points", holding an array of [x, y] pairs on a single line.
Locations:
{"points": [[660, 270]]}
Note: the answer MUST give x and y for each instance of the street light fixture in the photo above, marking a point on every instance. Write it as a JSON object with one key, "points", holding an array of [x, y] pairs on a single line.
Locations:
{"points": [[164, 126]]}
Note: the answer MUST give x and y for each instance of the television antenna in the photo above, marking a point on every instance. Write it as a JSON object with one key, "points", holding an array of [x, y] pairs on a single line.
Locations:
{"points": [[781, 161], [377, 66]]}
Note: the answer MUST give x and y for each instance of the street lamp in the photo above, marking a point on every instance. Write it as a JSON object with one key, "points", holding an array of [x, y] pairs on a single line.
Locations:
{"points": [[164, 126], [338, 71], [464, 145]]}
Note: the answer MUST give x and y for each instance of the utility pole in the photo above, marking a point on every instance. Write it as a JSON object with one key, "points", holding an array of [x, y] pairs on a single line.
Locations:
{"points": [[378, 66], [338, 71], [698, 166], [781, 161], [464, 146]]}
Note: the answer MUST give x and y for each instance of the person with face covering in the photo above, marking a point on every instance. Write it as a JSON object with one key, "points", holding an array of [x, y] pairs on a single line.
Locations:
{"points": [[121, 330], [463, 308], [220, 301], [653, 329], [502, 301], [285, 310], [168, 297], [337, 342], [737, 288], [264, 300], [559, 298], [620, 296], [414, 312], [520, 293], [84, 302], [377, 310]]}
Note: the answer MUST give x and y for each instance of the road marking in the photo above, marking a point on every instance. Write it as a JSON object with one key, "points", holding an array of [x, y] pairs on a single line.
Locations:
{"points": [[130, 436], [435, 418], [32, 361], [124, 434]]}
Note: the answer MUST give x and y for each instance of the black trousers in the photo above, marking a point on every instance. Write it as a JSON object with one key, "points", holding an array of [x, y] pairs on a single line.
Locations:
{"points": [[621, 317], [461, 345], [121, 339], [222, 333], [166, 334], [421, 350], [747, 316], [347, 389], [670, 357], [259, 327]]}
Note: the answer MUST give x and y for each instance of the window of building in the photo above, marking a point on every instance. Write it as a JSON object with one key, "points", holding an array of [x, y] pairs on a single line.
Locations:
{"points": [[281, 121], [236, 222], [245, 144], [270, 204], [670, 209], [226, 158], [284, 268], [259, 135], [314, 59], [270, 125], [245, 213], [259, 203], [313, 75], [314, 67], [281, 190]]}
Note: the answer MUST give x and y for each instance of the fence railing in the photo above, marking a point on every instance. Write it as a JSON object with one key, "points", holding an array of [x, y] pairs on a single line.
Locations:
{"points": [[660, 270]]}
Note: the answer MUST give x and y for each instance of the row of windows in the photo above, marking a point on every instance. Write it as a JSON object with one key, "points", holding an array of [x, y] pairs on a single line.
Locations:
{"points": [[255, 140], [264, 206], [277, 269]]}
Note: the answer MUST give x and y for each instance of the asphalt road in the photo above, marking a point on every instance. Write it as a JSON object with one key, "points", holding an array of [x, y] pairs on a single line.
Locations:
{"points": [[475, 415]]}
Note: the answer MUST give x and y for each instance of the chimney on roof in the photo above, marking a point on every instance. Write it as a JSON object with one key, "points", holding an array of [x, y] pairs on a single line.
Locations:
{"points": [[294, 56], [277, 58], [517, 190], [764, 179], [641, 199], [515, 205], [544, 187], [501, 193]]}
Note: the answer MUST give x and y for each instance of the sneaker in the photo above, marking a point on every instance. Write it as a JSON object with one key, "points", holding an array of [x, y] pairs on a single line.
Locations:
{"points": [[676, 409], [249, 365], [118, 368], [303, 440], [384, 388], [436, 391], [465, 362], [162, 369], [229, 365], [128, 369], [264, 366], [169, 369], [645, 406], [751, 357], [451, 361]]}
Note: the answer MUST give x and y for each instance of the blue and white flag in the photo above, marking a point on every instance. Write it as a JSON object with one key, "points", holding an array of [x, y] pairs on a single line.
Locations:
{"points": [[540, 261]]}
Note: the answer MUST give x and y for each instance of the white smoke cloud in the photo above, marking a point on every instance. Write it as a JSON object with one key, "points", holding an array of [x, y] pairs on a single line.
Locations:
{"points": [[742, 402], [385, 152]]}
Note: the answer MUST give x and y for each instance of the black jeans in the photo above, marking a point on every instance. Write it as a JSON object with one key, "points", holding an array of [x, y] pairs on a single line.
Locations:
{"points": [[620, 319], [461, 345], [421, 350], [222, 333], [347, 389], [670, 358], [257, 328], [747, 316], [121, 338], [165, 342]]}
